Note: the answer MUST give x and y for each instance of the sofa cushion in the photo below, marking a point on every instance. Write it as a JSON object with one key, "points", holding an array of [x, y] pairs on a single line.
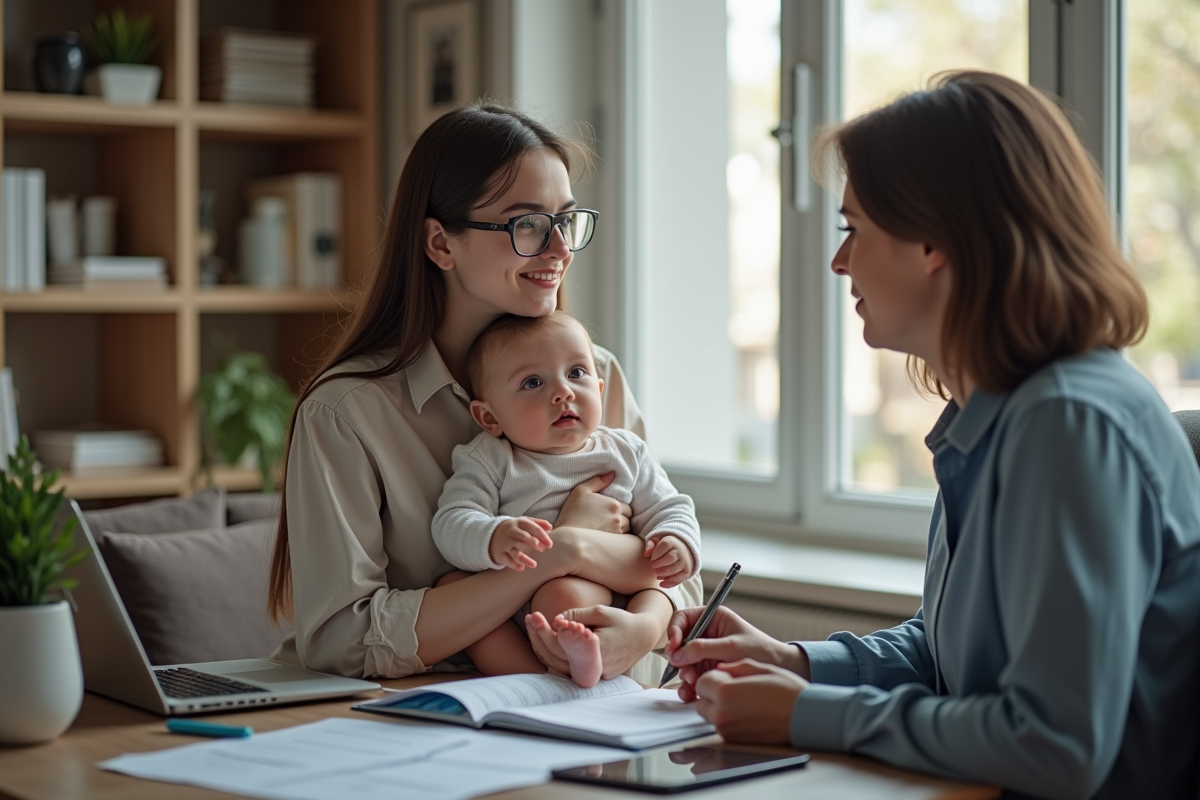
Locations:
{"points": [[202, 511], [196, 595], [247, 506]]}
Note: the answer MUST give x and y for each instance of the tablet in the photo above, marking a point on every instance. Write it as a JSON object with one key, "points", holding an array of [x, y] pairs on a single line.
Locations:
{"points": [[670, 771]]}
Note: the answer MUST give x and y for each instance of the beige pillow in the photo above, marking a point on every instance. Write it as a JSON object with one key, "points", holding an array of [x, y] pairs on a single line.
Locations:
{"points": [[201, 511], [197, 595]]}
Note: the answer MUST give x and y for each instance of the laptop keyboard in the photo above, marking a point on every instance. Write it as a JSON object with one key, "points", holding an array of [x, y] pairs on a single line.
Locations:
{"points": [[184, 682]]}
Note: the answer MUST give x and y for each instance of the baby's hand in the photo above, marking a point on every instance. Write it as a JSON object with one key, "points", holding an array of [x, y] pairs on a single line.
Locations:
{"points": [[514, 539], [670, 558]]}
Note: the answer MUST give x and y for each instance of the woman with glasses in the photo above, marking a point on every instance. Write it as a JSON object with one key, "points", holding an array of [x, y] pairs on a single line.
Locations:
{"points": [[1057, 649], [483, 223]]}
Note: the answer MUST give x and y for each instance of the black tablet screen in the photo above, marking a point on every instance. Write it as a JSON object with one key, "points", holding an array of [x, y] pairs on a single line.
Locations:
{"points": [[677, 770]]}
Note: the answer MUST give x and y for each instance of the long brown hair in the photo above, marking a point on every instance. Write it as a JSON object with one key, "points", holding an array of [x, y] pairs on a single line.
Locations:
{"points": [[463, 160], [990, 171]]}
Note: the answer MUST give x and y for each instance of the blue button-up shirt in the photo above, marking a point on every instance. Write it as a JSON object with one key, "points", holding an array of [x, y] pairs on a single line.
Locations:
{"points": [[1057, 651]]}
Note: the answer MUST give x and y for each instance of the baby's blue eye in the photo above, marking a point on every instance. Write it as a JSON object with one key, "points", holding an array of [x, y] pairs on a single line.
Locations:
{"points": [[576, 373], [532, 382]]}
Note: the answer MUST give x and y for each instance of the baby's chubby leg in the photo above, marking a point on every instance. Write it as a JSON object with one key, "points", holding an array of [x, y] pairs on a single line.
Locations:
{"points": [[580, 644], [504, 651]]}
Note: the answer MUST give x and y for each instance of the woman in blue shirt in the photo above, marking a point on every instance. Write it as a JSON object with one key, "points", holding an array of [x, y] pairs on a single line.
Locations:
{"points": [[1057, 650]]}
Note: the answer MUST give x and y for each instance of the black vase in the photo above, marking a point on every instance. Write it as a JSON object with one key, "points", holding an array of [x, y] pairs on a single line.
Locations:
{"points": [[58, 63]]}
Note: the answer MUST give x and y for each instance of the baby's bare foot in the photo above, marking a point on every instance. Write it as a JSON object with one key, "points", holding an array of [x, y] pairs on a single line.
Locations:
{"points": [[582, 647]]}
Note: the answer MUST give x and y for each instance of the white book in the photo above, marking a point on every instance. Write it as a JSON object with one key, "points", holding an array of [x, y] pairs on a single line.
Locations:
{"points": [[12, 196], [116, 268], [618, 712], [9, 431], [35, 230], [90, 447], [314, 224]]}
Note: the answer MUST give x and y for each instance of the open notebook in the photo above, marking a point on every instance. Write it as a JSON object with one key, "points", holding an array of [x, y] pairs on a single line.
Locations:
{"points": [[619, 712]]}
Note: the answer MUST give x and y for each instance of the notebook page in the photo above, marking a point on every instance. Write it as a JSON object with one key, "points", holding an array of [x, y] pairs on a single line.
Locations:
{"points": [[628, 717], [481, 696]]}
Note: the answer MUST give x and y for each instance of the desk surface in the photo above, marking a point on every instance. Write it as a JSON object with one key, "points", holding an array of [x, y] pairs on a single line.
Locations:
{"points": [[64, 769]]}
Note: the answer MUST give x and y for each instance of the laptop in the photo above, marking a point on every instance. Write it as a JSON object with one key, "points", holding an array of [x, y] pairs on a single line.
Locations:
{"points": [[115, 664]]}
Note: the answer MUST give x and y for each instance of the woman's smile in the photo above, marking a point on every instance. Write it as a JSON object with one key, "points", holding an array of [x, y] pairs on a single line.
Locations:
{"points": [[544, 279]]}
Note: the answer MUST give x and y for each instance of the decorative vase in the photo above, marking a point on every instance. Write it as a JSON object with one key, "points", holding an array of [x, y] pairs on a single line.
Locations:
{"points": [[127, 84], [41, 679], [58, 63]]}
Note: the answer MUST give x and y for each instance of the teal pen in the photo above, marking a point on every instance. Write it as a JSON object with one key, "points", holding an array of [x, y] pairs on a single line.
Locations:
{"points": [[207, 729]]}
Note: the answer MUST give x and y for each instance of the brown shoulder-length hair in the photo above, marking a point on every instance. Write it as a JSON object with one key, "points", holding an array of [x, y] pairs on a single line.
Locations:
{"points": [[990, 171], [465, 159]]}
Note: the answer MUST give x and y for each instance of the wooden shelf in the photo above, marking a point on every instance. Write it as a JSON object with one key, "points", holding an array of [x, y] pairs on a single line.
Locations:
{"points": [[135, 359], [236, 479], [246, 122], [137, 482], [30, 112], [249, 300], [56, 299]]}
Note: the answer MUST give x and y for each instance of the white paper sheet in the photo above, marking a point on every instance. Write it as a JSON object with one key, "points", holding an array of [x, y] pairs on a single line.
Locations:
{"points": [[338, 758]]}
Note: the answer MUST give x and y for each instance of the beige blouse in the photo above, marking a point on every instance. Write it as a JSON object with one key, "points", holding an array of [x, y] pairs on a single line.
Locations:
{"points": [[367, 463]]}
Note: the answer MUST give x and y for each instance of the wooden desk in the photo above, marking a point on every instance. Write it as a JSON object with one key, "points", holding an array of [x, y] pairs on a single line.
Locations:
{"points": [[65, 768]]}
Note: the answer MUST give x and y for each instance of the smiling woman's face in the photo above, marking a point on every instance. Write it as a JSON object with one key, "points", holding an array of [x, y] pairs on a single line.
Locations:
{"points": [[482, 265], [901, 286]]}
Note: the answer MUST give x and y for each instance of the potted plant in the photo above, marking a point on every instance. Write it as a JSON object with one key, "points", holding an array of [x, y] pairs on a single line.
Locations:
{"points": [[245, 409], [120, 43], [41, 680]]}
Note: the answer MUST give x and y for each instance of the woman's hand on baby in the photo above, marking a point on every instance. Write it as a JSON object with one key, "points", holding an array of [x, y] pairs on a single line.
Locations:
{"points": [[585, 507], [515, 539], [670, 558]]}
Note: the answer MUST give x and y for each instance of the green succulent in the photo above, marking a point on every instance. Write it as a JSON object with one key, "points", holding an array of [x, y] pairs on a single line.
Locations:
{"points": [[246, 404], [120, 38], [35, 549]]}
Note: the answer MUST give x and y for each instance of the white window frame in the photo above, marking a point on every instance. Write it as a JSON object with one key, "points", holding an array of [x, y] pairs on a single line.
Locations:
{"points": [[1076, 52]]}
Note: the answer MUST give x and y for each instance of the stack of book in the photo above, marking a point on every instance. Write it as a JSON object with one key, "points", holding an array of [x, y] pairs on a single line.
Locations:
{"points": [[246, 66], [95, 447], [23, 229], [113, 273]]}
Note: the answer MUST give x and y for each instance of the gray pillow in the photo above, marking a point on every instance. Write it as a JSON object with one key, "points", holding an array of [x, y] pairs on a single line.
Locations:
{"points": [[201, 511], [246, 506], [197, 595]]}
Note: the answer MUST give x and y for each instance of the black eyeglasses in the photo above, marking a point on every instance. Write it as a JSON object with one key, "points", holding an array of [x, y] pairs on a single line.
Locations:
{"points": [[530, 233]]}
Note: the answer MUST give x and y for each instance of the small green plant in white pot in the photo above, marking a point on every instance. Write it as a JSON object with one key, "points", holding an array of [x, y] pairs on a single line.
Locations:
{"points": [[120, 44], [41, 680], [245, 408]]}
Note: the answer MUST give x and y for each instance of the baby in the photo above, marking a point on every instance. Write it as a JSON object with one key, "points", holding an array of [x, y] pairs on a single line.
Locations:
{"points": [[538, 402]]}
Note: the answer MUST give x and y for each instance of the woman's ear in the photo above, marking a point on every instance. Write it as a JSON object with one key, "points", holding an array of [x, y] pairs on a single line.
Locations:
{"points": [[485, 418], [437, 244], [935, 259]]}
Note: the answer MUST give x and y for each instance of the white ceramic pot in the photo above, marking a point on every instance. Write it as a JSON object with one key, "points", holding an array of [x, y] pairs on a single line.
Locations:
{"points": [[128, 84], [41, 679]]}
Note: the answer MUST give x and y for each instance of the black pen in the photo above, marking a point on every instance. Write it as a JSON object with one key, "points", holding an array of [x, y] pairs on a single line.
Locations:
{"points": [[714, 602]]}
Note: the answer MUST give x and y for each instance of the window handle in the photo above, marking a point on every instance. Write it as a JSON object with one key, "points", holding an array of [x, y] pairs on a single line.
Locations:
{"points": [[795, 133], [801, 135]]}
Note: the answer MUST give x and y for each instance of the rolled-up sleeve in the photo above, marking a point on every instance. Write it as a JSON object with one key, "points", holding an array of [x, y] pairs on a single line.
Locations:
{"points": [[1075, 556], [348, 620]]}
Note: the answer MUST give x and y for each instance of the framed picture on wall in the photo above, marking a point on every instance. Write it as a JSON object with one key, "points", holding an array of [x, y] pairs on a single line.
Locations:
{"points": [[444, 56]]}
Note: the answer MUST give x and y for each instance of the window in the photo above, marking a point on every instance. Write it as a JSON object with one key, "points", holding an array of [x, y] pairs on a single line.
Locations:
{"points": [[762, 400], [1163, 190], [891, 47]]}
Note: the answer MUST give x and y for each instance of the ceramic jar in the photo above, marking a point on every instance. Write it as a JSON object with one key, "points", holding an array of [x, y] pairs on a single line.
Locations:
{"points": [[58, 63], [41, 678]]}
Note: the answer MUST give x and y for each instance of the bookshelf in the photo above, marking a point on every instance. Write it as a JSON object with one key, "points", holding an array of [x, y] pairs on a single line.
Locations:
{"points": [[135, 360]]}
